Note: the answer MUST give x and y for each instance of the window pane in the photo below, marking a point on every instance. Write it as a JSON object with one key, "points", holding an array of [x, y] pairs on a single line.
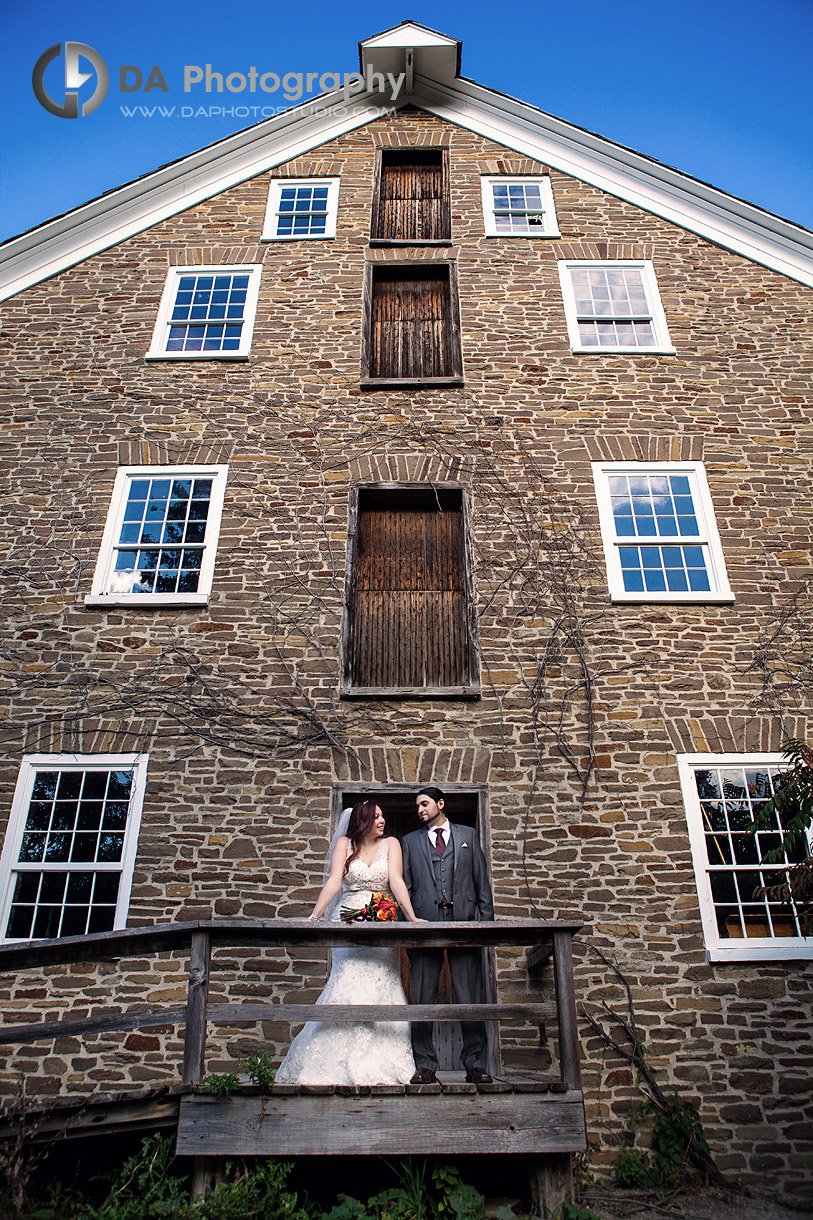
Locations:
{"points": [[74, 921], [212, 299], [663, 568], [58, 898], [45, 786], [730, 796], [26, 887], [616, 295], [79, 888], [53, 887], [102, 919], [176, 511], [19, 924], [107, 888]]}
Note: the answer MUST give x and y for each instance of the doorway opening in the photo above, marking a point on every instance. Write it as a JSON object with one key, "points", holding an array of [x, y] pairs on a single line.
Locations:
{"points": [[466, 805]]}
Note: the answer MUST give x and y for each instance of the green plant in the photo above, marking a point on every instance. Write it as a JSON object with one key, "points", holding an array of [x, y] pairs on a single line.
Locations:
{"points": [[256, 1192], [456, 1199], [633, 1169], [444, 1196], [790, 811], [583, 1176], [410, 1199], [349, 1208], [220, 1086], [572, 1211], [260, 1070], [145, 1188], [677, 1132], [677, 1139]]}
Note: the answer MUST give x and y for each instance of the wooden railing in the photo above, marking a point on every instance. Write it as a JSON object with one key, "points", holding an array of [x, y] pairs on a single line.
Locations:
{"points": [[542, 938]]}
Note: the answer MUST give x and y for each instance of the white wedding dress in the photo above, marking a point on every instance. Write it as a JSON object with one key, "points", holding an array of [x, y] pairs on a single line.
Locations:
{"points": [[345, 1053]]}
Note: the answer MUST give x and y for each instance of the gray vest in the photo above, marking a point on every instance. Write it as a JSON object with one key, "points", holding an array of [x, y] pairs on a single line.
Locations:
{"points": [[443, 868]]}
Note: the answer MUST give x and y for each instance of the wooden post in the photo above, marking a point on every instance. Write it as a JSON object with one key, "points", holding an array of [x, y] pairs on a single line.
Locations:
{"points": [[207, 1172], [194, 1047], [551, 1182], [566, 1008]]}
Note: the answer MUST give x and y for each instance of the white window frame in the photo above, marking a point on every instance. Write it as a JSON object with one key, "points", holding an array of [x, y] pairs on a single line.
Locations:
{"points": [[718, 948], [160, 334], [272, 209], [708, 538], [99, 594], [550, 228], [9, 863], [657, 317]]}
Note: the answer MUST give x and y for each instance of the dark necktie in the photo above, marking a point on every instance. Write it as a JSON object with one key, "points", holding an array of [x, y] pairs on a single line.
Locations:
{"points": [[439, 843]]}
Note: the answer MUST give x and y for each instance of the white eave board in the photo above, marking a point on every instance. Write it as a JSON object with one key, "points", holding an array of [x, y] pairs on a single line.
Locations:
{"points": [[730, 222], [61, 243]]}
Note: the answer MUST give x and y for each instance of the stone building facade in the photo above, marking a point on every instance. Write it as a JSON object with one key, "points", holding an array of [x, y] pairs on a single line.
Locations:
{"points": [[568, 751]]}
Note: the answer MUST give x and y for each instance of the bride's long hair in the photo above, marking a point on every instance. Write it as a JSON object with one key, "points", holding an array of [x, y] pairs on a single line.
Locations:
{"points": [[359, 826]]}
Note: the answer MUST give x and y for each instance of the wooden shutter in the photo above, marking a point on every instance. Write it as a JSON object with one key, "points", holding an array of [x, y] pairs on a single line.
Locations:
{"points": [[408, 620], [411, 197], [413, 326]]}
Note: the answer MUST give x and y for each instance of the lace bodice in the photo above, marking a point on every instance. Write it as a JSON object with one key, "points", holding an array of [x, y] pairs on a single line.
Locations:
{"points": [[362, 878]]}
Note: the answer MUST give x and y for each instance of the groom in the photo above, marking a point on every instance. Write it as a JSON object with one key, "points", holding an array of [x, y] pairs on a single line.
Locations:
{"points": [[445, 873]]}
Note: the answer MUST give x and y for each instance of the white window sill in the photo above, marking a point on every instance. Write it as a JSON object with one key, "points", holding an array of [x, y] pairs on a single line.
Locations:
{"points": [[299, 237], [147, 601], [624, 351], [696, 599], [759, 950], [525, 236], [231, 356]]}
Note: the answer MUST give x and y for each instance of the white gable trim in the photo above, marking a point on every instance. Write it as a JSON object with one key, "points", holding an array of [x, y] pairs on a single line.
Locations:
{"points": [[730, 222], [65, 241], [712, 214]]}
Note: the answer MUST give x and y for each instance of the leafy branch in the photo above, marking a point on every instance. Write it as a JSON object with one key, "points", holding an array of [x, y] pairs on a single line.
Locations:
{"points": [[790, 810]]}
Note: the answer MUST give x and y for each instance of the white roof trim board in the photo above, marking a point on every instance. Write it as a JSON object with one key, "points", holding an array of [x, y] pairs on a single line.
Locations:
{"points": [[721, 218]]}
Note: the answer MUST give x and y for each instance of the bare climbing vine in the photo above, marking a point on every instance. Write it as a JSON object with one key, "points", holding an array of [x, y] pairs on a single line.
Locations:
{"points": [[678, 1135], [782, 659], [539, 574]]}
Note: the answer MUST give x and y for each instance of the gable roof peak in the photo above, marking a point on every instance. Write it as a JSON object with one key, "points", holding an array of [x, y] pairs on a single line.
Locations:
{"points": [[414, 49], [425, 65]]}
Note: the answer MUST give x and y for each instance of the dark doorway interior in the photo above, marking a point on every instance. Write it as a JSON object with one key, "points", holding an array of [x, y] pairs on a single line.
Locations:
{"points": [[399, 807]]}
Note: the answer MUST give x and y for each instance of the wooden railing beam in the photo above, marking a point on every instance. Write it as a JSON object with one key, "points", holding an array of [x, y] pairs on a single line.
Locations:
{"points": [[11, 1035], [194, 1046], [227, 1014], [203, 935], [566, 1010], [281, 933]]}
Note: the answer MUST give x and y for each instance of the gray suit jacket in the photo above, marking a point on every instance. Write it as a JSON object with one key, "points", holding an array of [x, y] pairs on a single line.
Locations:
{"points": [[471, 892]]}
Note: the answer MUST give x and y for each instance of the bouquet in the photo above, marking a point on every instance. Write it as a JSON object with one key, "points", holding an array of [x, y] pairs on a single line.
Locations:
{"points": [[380, 906]]}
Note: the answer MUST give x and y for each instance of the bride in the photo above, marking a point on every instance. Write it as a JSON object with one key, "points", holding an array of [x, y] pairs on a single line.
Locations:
{"points": [[362, 862]]}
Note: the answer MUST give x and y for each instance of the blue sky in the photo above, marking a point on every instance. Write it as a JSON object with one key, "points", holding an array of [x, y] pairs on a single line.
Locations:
{"points": [[717, 88]]}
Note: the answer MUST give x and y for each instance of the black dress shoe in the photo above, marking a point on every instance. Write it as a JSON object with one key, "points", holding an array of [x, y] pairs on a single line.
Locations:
{"points": [[424, 1076], [478, 1076]]}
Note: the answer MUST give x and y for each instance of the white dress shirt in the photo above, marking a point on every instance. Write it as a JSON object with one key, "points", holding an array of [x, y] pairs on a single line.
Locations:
{"points": [[445, 830]]}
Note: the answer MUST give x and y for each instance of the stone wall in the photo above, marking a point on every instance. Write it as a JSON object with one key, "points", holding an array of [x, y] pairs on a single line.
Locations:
{"points": [[237, 703]]}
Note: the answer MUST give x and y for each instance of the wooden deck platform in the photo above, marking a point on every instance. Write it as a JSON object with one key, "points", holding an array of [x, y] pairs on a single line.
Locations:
{"points": [[449, 1119], [540, 1119]]}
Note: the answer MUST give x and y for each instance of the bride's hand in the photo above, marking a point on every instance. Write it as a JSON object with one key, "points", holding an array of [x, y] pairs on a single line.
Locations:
{"points": [[417, 919]]}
